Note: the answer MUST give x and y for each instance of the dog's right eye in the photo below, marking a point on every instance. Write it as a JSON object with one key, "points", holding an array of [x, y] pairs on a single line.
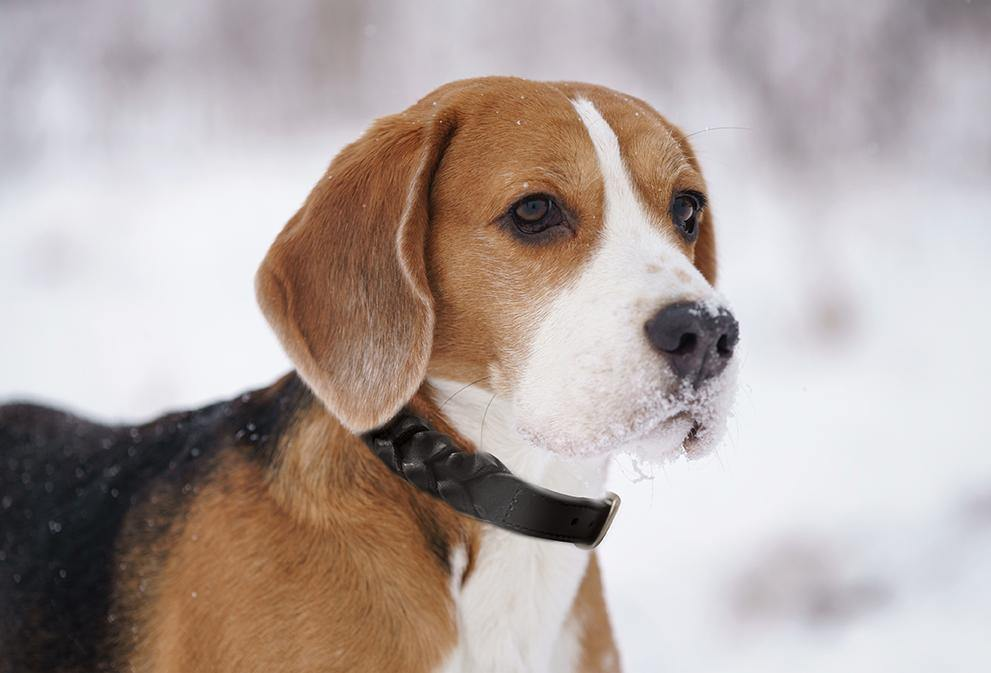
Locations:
{"points": [[535, 214]]}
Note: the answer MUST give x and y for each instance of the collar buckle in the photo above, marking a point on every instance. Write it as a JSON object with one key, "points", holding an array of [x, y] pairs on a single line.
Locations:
{"points": [[614, 501]]}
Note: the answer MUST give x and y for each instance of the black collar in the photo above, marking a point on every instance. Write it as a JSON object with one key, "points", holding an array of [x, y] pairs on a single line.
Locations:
{"points": [[478, 485]]}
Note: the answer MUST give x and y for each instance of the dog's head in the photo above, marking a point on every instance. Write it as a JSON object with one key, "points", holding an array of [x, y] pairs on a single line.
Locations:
{"points": [[550, 241]]}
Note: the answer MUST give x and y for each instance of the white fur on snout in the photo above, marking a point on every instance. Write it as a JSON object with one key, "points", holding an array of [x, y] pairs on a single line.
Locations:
{"points": [[591, 381]]}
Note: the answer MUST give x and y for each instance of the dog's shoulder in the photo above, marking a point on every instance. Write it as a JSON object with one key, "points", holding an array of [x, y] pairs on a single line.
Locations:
{"points": [[69, 492]]}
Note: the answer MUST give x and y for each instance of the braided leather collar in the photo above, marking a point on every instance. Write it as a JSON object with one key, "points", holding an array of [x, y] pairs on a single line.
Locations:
{"points": [[478, 485]]}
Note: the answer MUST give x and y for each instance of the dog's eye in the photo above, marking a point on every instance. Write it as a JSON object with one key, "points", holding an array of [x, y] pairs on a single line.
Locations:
{"points": [[535, 213], [685, 209], [533, 209]]}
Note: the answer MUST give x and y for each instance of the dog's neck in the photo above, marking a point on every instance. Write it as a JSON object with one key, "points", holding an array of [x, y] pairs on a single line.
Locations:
{"points": [[513, 570], [493, 572]]}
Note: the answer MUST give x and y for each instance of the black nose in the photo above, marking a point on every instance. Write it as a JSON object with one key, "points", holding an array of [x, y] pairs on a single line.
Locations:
{"points": [[698, 342]]}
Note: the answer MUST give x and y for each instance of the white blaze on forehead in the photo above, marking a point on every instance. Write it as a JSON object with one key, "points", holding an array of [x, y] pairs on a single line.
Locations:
{"points": [[591, 379], [624, 215], [629, 230]]}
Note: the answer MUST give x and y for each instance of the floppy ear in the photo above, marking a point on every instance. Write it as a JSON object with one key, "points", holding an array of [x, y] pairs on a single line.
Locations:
{"points": [[344, 286]]}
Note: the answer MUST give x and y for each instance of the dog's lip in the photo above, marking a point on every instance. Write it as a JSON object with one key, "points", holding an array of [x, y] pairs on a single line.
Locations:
{"points": [[692, 439]]}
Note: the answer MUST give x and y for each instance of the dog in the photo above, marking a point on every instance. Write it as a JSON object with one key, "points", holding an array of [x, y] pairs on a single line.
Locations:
{"points": [[528, 265]]}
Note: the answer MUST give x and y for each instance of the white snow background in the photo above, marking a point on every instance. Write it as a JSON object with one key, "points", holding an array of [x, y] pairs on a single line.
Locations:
{"points": [[150, 153]]}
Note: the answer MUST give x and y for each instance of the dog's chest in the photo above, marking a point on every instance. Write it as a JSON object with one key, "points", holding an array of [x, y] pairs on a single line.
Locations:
{"points": [[512, 610]]}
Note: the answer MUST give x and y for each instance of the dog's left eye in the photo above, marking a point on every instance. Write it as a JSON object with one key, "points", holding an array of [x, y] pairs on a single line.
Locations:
{"points": [[685, 209], [535, 214]]}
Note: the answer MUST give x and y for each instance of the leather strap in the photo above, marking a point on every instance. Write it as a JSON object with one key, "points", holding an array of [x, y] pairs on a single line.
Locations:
{"points": [[478, 485]]}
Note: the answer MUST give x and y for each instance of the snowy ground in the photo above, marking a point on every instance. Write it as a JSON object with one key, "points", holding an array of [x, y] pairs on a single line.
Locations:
{"points": [[845, 523]]}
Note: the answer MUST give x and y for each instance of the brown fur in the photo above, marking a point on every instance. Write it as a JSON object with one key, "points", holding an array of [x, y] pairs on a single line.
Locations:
{"points": [[314, 564], [598, 650]]}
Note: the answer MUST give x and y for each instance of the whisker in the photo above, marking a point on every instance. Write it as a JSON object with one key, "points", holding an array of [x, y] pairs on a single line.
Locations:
{"points": [[719, 128], [461, 390], [481, 431]]}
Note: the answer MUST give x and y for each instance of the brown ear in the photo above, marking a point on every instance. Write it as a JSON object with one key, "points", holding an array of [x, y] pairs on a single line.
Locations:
{"points": [[344, 286]]}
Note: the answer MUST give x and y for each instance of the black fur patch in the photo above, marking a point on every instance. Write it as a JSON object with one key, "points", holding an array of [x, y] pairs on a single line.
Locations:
{"points": [[66, 486]]}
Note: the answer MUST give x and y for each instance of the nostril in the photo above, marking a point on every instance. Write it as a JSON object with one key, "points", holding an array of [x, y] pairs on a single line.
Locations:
{"points": [[725, 346], [729, 335], [686, 344]]}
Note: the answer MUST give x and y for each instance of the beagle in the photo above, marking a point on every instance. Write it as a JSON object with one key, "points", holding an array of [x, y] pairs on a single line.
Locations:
{"points": [[529, 267]]}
